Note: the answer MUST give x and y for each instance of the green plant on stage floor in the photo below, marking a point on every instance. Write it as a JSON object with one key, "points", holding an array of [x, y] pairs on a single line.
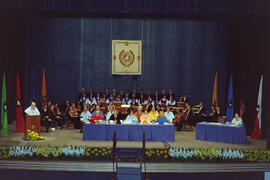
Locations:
{"points": [[33, 136], [206, 154], [48, 151]]}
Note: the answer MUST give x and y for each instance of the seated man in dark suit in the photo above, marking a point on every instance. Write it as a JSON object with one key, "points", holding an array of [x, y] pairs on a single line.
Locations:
{"points": [[201, 113], [184, 98], [188, 118]]}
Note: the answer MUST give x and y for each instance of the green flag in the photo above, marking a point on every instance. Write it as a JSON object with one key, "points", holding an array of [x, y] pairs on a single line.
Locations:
{"points": [[4, 122]]}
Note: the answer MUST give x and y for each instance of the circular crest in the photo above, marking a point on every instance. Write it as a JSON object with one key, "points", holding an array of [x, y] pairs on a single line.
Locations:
{"points": [[126, 58]]}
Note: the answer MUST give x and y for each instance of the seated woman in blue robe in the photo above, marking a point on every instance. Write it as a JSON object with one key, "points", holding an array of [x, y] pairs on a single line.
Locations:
{"points": [[161, 118], [131, 118]]}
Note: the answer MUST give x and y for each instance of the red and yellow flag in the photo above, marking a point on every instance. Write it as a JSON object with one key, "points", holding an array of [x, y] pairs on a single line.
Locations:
{"points": [[43, 93]]}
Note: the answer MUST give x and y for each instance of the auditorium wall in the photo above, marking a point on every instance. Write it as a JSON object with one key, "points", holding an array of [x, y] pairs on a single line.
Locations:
{"points": [[76, 52]]}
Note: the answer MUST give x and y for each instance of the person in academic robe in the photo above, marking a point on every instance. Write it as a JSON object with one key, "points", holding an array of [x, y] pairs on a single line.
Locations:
{"points": [[218, 111], [138, 113], [163, 93], [131, 118], [32, 110], [91, 93], [98, 98], [133, 102], [45, 117], [141, 100], [109, 112], [65, 110], [148, 94], [114, 93], [171, 93], [122, 93], [96, 117], [171, 101], [99, 92], [163, 99], [153, 114], [237, 121], [111, 98], [184, 99], [83, 98], [169, 115], [145, 117], [79, 107], [213, 115], [73, 113], [85, 117], [135, 93], [156, 101], [156, 95], [59, 117], [80, 95], [52, 116], [148, 105], [142, 94], [161, 119], [116, 117], [107, 93], [126, 100]]}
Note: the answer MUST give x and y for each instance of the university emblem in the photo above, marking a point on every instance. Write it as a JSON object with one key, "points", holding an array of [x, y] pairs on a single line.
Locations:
{"points": [[126, 57]]}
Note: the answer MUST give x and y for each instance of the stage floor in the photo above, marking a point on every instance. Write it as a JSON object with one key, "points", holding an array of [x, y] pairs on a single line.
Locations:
{"points": [[72, 136]]}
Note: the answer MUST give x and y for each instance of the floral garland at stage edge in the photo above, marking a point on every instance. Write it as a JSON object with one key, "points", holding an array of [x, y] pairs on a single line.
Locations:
{"points": [[207, 155], [56, 153], [152, 154]]}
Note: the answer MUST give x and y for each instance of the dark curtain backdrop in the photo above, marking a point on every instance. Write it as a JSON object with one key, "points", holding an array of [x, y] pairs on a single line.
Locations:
{"points": [[200, 7], [76, 52]]}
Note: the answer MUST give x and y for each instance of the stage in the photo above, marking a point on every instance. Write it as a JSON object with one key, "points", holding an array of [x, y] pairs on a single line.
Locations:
{"points": [[70, 136]]}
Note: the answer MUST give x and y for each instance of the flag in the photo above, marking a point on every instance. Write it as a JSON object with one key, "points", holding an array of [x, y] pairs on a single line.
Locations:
{"points": [[229, 112], [32, 88], [256, 134], [43, 92], [215, 98], [19, 114], [242, 108], [4, 123]]}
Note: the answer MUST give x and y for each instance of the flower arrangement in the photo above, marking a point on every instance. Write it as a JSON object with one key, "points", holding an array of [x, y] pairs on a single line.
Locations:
{"points": [[151, 154], [157, 154], [48, 152], [98, 153], [22, 152], [56, 153], [260, 156], [33, 136], [181, 153], [4, 152]]}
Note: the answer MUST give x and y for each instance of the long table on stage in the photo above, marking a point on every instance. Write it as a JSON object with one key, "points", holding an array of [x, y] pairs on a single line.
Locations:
{"points": [[221, 133], [124, 132]]}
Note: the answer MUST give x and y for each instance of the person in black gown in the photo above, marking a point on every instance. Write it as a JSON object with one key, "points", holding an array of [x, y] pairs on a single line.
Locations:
{"points": [[116, 117]]}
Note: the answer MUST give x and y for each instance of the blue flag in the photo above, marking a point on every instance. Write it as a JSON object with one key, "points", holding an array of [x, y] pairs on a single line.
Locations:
{"points": [[229, 112]]}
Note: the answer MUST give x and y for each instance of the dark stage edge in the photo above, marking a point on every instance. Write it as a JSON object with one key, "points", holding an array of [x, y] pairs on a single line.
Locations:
{"points": [[106, 167]]}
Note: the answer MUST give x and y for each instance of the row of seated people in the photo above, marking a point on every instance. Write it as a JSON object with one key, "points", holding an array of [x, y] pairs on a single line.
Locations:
{"points": [[129, 97], [53, 115]]}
